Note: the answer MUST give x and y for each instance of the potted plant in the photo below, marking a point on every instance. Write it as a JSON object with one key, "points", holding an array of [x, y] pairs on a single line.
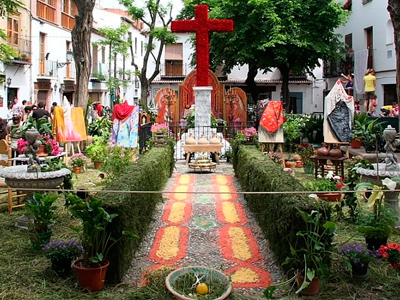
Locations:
{"points": [[96, 240], [276, 157], [378, 220], [77, 161], [312, 253], [40, 210], [391, 253], [98, 151], [357, 258], [366, 129], [61, 254], [327, 187], [306, 151]]}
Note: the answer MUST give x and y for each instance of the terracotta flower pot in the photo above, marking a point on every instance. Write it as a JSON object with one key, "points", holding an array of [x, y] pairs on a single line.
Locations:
{"points": [[98, 164], [92, 279], [77, 170], [42, 151], [299, 164], [356, 144], [313, 288], [331, 197], [290, 164]]}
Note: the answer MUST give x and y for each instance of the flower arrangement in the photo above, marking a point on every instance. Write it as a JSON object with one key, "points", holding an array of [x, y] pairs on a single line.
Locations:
{"points": [[391, 253], [276, 157], [305, 150], [78, 160], [330, 182], [159, 129], [63, 250], [248, 134], [356, 254]]}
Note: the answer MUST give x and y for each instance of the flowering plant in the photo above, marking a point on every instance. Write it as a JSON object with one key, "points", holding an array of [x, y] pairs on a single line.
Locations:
{"points": [[276, 157], [78, 160], [22, 146], [391, 252], [50, 144], [356, 254], [61, 250], [305, 150], [159, 128], [248, 134], [330, 182], [118, 159]]}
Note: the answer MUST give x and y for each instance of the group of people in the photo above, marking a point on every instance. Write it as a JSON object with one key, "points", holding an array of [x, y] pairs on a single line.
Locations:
{"points": [[97, 110]]}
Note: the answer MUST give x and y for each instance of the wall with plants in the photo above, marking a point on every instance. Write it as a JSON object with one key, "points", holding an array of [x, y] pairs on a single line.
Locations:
{"points": [[149, 173], [276, 214]]}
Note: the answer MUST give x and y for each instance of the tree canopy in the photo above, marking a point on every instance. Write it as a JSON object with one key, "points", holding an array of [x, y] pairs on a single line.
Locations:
{"points": [[157, 18], [291, 35]]}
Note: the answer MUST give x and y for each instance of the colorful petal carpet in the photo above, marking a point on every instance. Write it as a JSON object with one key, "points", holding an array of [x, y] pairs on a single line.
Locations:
{"points": [[202, 222]]}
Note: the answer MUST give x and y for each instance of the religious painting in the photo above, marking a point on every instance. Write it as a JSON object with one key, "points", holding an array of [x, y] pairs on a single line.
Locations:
{"points": [[236, 107], [186, 94], [166, 104]]}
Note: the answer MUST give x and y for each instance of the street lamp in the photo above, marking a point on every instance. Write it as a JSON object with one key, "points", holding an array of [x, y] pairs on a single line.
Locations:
{"points": [[69, 58], [9, 80], [62, 88]]}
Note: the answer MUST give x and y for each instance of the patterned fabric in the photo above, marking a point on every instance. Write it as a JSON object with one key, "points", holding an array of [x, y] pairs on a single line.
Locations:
{"points": [[272, 118], [125, 132], [78, 121]]}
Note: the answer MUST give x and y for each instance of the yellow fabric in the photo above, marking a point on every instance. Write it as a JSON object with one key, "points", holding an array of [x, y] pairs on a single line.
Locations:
{"points": [[58, 129], [369, 83], [78, 120]]}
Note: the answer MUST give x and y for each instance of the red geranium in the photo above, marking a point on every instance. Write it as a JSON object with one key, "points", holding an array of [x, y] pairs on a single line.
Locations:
{"points": [[391, 252]]}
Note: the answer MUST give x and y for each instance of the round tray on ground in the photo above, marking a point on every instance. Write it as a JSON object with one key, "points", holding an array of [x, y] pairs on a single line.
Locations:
{"points": [[210, 275]]}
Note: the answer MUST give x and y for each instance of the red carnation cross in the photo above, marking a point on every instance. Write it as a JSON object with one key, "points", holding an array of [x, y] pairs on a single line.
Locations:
{"points": [[202, 26]]}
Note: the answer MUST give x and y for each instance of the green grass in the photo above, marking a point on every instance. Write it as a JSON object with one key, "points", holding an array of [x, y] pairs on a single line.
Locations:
{"points": [[25, 274]]}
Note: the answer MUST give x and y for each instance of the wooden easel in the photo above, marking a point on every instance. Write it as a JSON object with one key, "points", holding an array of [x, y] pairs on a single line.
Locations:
{"points": [[271, 146]]}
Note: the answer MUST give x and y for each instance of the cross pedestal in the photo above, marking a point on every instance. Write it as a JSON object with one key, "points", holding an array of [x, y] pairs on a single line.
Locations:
{"points": [[202, 116]]}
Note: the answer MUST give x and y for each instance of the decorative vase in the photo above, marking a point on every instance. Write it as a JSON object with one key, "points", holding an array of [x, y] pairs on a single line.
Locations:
{"points": [[312, 289], [356, 144], [97, 164], [92, 279], [308, 169], [331, 197], [335, 152], [42, 151], [203, 140], [190, 140], [214, 140], [289, 164], [77, 170], [323, 151], [374, 244], [358, 270]]}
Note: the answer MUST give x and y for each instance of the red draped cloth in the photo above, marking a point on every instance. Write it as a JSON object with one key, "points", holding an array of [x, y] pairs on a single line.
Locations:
{"points": [[122, 111], [272, 118], [99, 110]]}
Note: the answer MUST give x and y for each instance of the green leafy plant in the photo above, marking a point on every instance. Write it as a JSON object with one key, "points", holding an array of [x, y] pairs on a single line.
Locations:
{"points": [[367, 130], [78, 160], [313, 128], [305, 150], [379, 220], [95, 238], [42, 125], [328, 183], [100, 127], [40, 208], [98, 150]]}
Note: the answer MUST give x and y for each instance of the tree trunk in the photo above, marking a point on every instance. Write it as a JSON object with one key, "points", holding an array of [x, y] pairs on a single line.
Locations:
{"points": [[287, 103], [251, 84], [394, 10], [81, 44]]}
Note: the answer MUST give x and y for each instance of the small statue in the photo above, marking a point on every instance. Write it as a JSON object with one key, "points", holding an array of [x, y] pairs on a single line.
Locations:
{"points": [[33, 146], [389, 135]]}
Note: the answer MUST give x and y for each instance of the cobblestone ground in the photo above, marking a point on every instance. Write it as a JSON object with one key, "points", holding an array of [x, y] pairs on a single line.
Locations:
{"points": [[204, 222]]}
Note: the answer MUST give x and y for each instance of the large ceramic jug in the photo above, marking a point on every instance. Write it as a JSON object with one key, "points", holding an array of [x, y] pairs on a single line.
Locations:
{"points": [[323, 151]]}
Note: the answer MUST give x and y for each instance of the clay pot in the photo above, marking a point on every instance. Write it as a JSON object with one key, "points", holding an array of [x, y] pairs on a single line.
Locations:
{"points": [[335, 152], [330, 197], [323, 151], [356, 144], [299, 164], [76, 170], [290, 164], [313, 288], [92, 279], [296, 157], [214, 140]]}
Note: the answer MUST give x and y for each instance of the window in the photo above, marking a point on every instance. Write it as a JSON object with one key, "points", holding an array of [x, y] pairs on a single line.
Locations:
{"points": [[174, 59], [348, 40], [389, 33], [366, 1], [12, 30], [103, 55], [95, 59], [135, 45], [46, 10], [42, 53], [141, 48], [370, 46]]}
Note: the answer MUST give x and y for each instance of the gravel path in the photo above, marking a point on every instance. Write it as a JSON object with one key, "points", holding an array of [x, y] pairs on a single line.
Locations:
{"points": [[207, 242]]}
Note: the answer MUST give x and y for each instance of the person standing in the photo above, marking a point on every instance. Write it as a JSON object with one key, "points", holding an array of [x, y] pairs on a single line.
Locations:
{"points": [[369, 88], [41, 112]]}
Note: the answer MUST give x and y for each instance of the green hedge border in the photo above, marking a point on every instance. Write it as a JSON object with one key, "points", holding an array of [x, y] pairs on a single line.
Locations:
{"points": [[135, 211], [276, 214]]}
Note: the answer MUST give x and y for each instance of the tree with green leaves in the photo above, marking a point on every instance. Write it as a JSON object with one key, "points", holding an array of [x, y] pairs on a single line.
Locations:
{"points": [[291, 35], [157, 18], [81, 43], [113, 38], [7, 7]]}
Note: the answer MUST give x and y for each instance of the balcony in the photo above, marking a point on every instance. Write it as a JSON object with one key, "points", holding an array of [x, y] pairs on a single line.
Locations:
{"points": [[67, 21], [47, 68], [23, 48], [46, 11], [335, 68], [175, 69]]}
